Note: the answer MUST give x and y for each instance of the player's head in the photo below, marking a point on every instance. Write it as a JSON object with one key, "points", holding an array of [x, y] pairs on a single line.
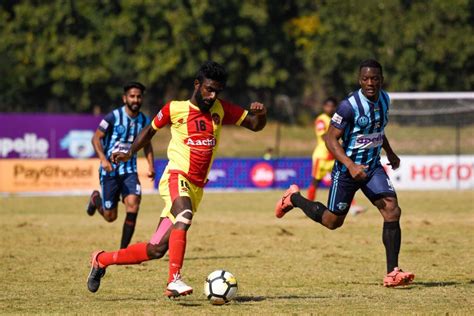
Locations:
{"points": [[133, 95], [370, 78], [329, 106], [210, 80]]}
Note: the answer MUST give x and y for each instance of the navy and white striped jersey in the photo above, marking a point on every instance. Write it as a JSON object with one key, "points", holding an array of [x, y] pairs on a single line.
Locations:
{"points": [[363, 122], [120, 132]]}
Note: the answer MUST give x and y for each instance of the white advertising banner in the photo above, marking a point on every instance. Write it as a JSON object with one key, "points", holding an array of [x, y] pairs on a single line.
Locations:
{"points": [[446, 172]]}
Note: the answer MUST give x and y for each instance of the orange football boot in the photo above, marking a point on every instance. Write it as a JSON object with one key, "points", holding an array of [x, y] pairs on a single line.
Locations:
{"points": [[398, 278], [284, 204]]}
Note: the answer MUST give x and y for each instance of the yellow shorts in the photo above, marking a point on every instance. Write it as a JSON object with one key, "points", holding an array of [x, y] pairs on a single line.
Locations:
{"points": [[174, 185], [321, 167]]}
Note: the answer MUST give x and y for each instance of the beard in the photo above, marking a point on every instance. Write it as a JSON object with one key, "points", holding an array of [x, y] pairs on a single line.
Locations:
{"points": [[202, 104], [134, 107]]}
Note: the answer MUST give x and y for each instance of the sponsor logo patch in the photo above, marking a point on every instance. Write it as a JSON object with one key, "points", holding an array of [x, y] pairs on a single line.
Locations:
{"points": [[121, 147], [369, 140], [342, 206], [104, 124], [202, 142], [336, 118]]}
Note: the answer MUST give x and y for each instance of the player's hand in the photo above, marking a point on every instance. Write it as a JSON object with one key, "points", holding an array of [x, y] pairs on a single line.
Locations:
{"points": [[393, 160], [106, 165], [257, 108], [358, 171], [120, 157], [151, 173]]}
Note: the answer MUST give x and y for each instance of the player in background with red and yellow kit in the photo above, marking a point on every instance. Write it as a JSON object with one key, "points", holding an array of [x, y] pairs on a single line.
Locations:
{"points": [[323, 160], [195, 130]]}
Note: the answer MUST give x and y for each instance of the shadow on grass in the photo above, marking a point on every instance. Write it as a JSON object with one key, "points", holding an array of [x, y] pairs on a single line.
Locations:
{"points": [[130, 298], [221, 257], [438, 284], [416, 284], [245, 299], [189, 304]]}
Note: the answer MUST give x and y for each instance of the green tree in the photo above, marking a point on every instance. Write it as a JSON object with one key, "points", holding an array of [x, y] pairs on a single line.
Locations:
{"points": [[68, 55]]}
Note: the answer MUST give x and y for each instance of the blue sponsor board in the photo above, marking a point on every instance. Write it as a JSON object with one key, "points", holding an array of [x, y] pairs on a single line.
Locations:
{"points": [[255, 173]]}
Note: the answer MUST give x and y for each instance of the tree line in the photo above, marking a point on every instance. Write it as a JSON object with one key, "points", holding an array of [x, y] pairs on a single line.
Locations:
{"points": [[74, 55]]}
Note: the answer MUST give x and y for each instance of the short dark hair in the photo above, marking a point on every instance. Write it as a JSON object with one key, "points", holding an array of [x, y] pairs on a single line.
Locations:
{"points": [[133, 84], [212, 70], [330, 99], [371, 63]]}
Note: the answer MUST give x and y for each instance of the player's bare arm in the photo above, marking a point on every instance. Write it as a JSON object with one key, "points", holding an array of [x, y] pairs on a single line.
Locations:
{"points": [[141, 141], [393, 159], [99, 150], [148, 149], [332, 143], [256, 119]]}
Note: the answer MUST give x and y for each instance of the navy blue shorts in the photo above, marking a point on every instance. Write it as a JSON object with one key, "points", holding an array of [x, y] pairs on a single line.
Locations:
{"points": [[115, 186], [343, 188]]}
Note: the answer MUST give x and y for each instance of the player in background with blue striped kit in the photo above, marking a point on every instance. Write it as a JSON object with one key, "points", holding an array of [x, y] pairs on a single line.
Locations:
{"points": [[359, 121], [116, 133]]}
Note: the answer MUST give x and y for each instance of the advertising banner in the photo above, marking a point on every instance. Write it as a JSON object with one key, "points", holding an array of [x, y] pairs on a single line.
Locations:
{"points": [[81, 175], [256, 173], [433, 172], [42, 136], [65, 176], [443, 172], [260, 174]]}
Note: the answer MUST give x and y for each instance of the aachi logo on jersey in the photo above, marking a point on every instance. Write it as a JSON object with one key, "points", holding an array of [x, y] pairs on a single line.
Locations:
{"points": [[206, 142]]}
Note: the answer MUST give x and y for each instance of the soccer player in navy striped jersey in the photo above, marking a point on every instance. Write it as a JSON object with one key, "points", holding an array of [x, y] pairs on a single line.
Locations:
{"points": [[116, 133], [359, 121]]}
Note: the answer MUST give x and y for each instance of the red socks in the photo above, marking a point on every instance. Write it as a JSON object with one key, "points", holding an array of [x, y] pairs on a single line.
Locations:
{"points": [[133, 254], [177, 246], [311, 192], [137, 253]]}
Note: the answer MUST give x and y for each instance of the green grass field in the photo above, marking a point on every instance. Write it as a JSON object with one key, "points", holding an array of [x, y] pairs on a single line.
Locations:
{"points": [[283, 266]]}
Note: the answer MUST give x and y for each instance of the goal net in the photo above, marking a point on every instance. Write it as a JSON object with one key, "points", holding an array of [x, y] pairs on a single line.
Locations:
{"points": [[432, 122]]}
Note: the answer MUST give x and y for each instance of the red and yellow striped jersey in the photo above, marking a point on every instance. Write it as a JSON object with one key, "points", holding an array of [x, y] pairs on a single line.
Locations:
{"points": [[195, 135], [321, 126]]}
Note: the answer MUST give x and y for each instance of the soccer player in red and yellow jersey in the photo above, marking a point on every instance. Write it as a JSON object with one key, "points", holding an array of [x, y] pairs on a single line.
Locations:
{"points": [[323, 160], [195, 130]]}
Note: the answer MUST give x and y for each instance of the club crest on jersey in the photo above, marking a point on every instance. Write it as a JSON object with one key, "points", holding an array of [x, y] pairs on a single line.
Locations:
{"points": [[363, 121], [120, 129], [216, 118]]}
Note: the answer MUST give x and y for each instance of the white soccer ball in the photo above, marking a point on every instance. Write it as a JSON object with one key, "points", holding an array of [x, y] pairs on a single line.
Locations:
{"points": [[220, 287]]}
